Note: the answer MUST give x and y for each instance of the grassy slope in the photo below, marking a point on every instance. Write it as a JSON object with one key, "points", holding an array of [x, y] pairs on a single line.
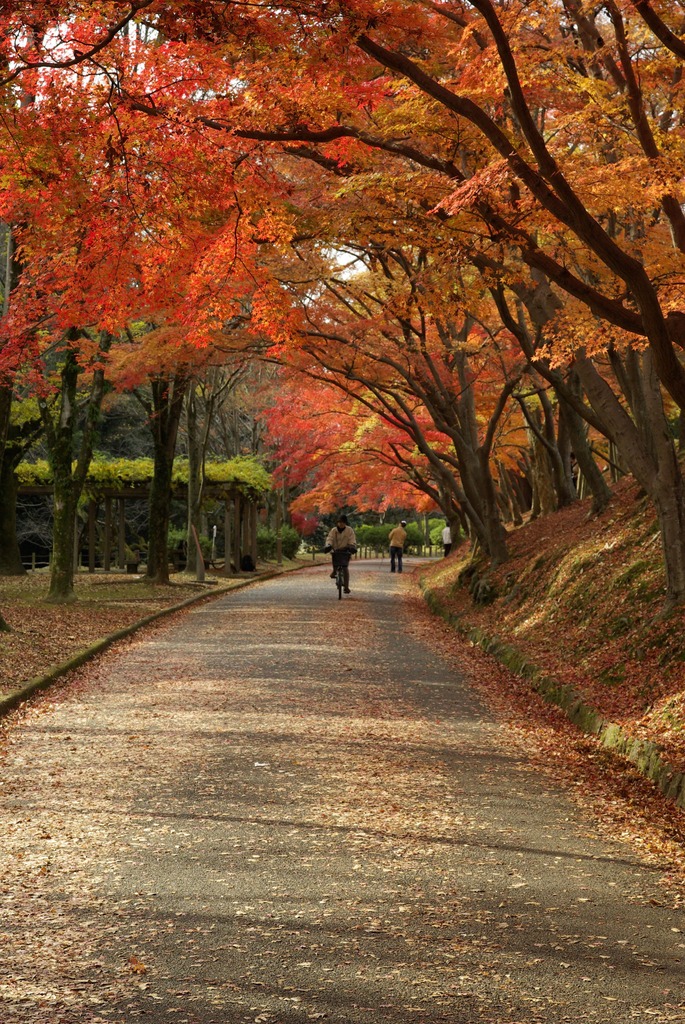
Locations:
{"points": [[581, 599]]}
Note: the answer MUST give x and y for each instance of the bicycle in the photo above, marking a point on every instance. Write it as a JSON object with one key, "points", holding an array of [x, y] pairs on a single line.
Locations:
{"points": [[341, 560]]}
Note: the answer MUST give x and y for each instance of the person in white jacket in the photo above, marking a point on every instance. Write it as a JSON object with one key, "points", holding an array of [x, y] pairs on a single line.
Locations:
{"points": [[342, 543]]}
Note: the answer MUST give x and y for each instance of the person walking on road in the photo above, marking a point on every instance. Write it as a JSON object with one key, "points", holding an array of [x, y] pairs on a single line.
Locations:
{"points": [[446, 540], [342, 543], [397, 538]]}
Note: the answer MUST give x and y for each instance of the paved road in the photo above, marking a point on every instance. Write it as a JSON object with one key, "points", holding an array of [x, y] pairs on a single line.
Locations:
{"points": [[282, 808]]}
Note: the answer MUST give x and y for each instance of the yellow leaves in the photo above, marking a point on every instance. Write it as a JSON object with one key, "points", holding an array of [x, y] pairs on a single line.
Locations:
{"points": [[575, 327], [273, 224], [643, 183], [598, 90], [243, 473]]}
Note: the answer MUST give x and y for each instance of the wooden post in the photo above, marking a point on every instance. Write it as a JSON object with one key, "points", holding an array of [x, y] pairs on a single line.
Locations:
{"points": [[200, 560], [254, 518], [228, 526], [92, 510], [77, 553], [237, 530], [122, 534], [279, 538], [107, 554]]}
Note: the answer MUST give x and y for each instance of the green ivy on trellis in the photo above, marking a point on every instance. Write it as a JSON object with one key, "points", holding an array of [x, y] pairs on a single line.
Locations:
{"points": [[243, 474]]}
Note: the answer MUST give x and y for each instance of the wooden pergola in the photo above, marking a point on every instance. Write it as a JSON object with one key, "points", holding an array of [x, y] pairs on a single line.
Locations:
{"points": [[240, 519]]}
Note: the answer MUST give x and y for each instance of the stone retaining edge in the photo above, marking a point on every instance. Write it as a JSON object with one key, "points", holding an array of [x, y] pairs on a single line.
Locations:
{"points": [[644, 754], [42, 682]]}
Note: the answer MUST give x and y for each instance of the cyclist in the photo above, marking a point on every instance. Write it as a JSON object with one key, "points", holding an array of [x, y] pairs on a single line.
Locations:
{"points": [[342, 543]]}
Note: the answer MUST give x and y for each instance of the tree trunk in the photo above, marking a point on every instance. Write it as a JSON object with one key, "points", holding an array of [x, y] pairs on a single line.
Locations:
{"points": [[492, 520], [164, 418], [509, 495], [529, 476], [160, 511], [194, 480], [63, 539], [541, 303], [543, 480], [60, 438], [11, 276], [668, 490], [668, 500], [18, 440], [565, 494], [5, 413], [591, 473], [655, 468], [10, 556]]}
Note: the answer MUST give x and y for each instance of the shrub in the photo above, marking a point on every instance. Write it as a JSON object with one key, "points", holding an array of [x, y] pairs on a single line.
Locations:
{"points": [[373, 536], [435, 527], [176, 539], [177, 545], [291, 541], [267, 541], [415, 536]]}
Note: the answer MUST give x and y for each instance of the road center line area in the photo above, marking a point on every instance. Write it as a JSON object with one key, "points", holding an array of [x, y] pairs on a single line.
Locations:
{"points": [[281, 807]]}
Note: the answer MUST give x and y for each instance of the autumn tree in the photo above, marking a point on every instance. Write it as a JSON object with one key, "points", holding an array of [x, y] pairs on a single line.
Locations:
{"points": [[333, 452], [113, 242]]}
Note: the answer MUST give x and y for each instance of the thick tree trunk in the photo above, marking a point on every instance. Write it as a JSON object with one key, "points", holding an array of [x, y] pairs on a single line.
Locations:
{"points": [[654, 467], [669, 491], [541, 303], [670, 507], [545, 500], [63, 537], [11, 273], [6, 392], [5, 413], [18, 439], [474, 509], [160, 511], [194, 481], [164, 418], [565, 494], [510, 495], [492, 520], [575, 427], [10, 556], [60, 438]]}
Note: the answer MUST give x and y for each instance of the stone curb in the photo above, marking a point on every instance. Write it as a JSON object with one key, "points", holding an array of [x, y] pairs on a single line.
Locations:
{"points": [[42, 682], [644, 754]]}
